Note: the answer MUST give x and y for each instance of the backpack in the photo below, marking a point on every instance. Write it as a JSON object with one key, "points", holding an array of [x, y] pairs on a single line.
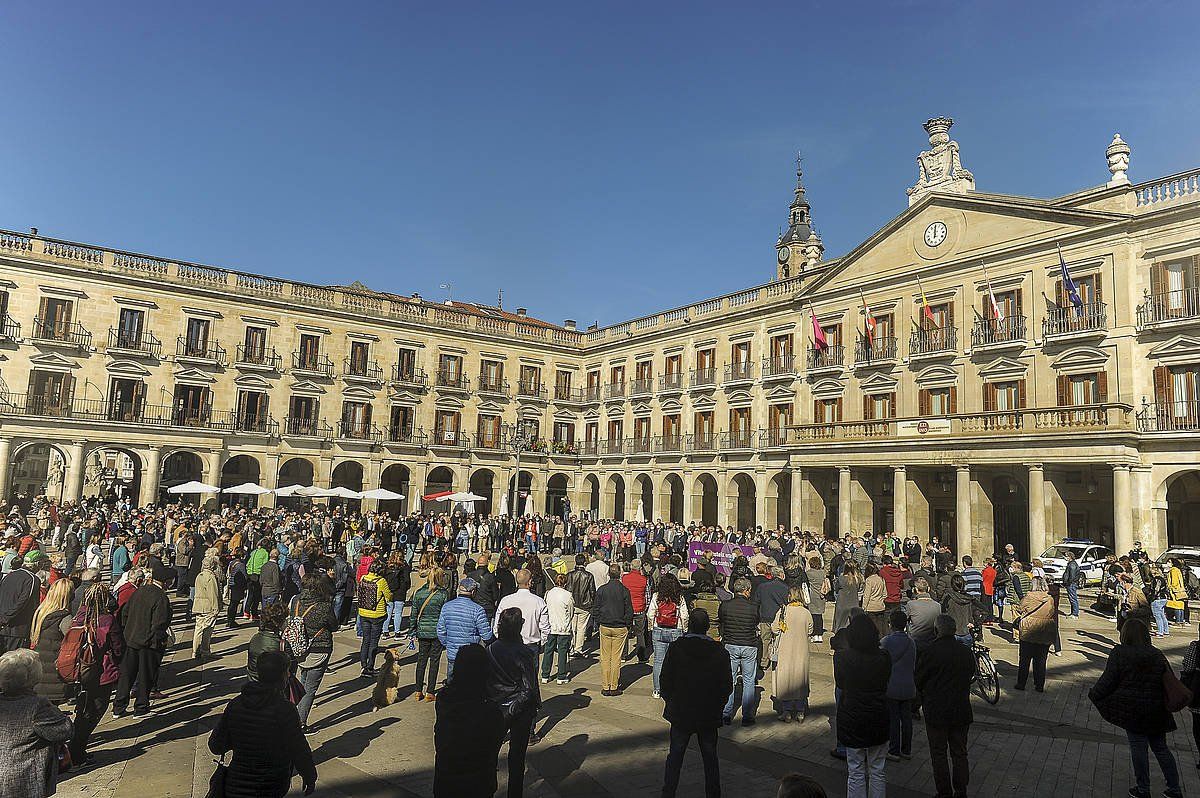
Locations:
{"points": [[667, 616], [294, 636], [76, 655], [368, 594]]}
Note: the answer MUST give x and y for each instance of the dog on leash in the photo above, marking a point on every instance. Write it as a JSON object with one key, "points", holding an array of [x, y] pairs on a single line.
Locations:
{"points": [[387, 683]]}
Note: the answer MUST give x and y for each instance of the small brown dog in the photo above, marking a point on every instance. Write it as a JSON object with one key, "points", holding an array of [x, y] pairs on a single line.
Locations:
{"points": [[387, 683]]}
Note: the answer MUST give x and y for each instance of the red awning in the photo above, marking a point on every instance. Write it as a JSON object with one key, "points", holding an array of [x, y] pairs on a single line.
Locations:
{"points": [[431, 497]]}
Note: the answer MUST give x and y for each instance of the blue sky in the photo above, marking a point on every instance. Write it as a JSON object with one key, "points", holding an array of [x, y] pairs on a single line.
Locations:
{"points": [[597, 161]]}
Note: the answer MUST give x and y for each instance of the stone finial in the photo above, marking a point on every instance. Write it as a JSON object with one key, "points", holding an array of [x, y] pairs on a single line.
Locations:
{"points": [[939, 167], [1118, 161], [813, 250]]}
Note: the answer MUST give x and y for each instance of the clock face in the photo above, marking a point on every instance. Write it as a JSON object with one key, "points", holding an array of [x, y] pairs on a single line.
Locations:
{"points": [[935, 233], [783, 255]]}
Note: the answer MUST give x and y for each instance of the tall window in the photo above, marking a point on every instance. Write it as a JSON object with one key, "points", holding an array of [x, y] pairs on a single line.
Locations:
{"points": [[310, 350], [671, 428], [126, 398], [1174, 286], [703, 428], [879, 406], [739, 426], [303, 415], [356, 419], [252, 410], [616, 375], [406, 364], [531, 379], [616, 429], [55, 316], [1177, 396], [130, 325], [827, 411], [359, 355], [196, 338], [593, 385], [562, 384], [1075, 390], [936, 401], [193, 405], [644, 375], [564, 432], [400, 424], [447, 425], [50, 392], [449, 369], [1004, 396], [491, 375], [488, 434], [706, 360], [641, 432]]}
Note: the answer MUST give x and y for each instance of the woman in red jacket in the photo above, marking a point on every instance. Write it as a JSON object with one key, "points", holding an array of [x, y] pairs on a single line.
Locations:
{"points": [[97, 680], [989, 586]]}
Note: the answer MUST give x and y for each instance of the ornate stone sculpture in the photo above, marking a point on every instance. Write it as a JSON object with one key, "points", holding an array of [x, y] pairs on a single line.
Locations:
{"points": [[940, 168], [1118, 160]]}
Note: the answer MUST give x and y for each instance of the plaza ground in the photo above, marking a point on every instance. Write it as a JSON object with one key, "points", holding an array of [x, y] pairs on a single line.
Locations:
{"points": [[1051, 744]]}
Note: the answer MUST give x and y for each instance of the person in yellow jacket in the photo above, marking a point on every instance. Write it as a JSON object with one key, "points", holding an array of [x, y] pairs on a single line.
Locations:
{"points": [[373, 598], [1177, 592]]}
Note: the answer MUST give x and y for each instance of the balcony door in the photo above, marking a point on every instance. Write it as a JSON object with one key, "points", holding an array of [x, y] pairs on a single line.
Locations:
{"points": [[256, 344], [302, 415], [56, 317], [126, 399], [50, 392], [197, 337], [129, 328], [400, 425], [252, 410], [310, 350], [193, 405]]}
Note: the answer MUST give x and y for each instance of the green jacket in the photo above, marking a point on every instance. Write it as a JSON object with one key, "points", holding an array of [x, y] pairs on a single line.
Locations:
{"points": [[255, 563], [426, 621]]}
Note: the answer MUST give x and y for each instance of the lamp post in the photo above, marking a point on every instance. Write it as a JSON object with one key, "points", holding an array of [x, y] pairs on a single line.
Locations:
{"points": [[517, 441]]}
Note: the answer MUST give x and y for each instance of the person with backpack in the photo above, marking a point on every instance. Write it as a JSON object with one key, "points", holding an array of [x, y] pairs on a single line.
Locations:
{"points": [[667, 615], [90, 656], [146, 619], [309, 635], [372, 597], [51, 622]]}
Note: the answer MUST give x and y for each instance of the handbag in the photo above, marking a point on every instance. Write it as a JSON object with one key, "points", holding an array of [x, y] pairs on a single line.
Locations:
{"points": [[216, 782], [294, 689], [1176, 694]]}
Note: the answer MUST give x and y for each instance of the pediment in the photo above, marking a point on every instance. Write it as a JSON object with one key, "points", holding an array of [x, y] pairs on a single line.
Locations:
{"points": [[672, 406], [194, 376], [827, 388], [53, 360], [591, 414], [1003, 368], [253, 382], [780, 393], [490, 407], [1177, 350], [739, 396], [642, 408], [449, 402], [308, 388], [358, 393], [877, 383], [1080, 359], [704, 403], [127, 368], [978, 225], [937, 376], [566, 416]]}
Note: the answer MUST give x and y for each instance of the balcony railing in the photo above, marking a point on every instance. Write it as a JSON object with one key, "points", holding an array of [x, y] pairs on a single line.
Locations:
{"points": [[782, 366], [933, 340], [533, 390], [589, 448], [201, 418], [565, 393], [306, 427], [453, 379], [737, 439], [260, 425], [564, 448], [112, 410], [1179, 416], [200, 350], [773, 436], [670, 443], [989, 332], [10, 328], [704, 378], [489, 440], [66, 332], [641, 445], [1088, 317], [265, 356], [739, 370], [358, 431], [492, 385], [702, 442], [409, 376], [312, 364], [828, 358], [362, 369], [612, 446], [614, 390], [641, 386], [671, 382], [130, 341], [1026, 421], [592, 393], [1169, 306], [413, 436], [875, 349], [450, 438]]}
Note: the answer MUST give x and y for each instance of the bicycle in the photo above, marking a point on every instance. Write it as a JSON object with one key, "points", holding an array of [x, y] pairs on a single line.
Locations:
{"points": [[986, 681]]}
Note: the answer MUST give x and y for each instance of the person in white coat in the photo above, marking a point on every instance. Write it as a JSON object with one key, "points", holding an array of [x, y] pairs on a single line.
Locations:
{"points": [[536, 620], [560, 605]]}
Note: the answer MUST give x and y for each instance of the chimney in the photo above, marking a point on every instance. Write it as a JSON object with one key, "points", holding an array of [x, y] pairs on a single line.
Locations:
{"points": [[594, 326], [569, 324], [33, 231], [522, 312], [416, 296]]}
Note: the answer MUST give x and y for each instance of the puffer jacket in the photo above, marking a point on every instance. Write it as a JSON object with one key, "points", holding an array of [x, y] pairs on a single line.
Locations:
{"points": [[383, 595], [263, 731], [560, 605], [54, 627], [738, 619], [1130, 694], [461, 623], [425, 615], [319, 625]]}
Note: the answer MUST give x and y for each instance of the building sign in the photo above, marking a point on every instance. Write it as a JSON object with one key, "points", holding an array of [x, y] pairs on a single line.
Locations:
{"points": [[923, 427]]}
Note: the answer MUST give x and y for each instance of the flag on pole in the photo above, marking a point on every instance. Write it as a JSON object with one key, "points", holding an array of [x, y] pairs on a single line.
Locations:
{"points": [[1069, 288], [926, 311], [868, 318], [997, 313], [819, 340]]}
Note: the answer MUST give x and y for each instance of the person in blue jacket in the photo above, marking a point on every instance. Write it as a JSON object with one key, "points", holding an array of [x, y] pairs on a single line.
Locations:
{"points": [[461, 623]]}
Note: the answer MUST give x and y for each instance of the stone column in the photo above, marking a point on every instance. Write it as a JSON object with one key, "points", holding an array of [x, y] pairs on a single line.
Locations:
{"points": [[900, 500], [212, 469], [371, 478], [797, 499], [73, 485], [844, 500], [5, 467], [760, 502], [1037, 510], [726, 504], [151, 474], [1122, 510], [962, 511], [270, 479], [633, 496]]}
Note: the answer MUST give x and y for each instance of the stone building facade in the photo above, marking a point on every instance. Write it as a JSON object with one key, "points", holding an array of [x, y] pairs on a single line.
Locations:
{"points": [[1030, 373]]}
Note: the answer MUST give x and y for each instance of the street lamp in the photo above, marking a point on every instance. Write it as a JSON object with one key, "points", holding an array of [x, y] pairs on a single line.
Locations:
{"points": [[517, 441]]}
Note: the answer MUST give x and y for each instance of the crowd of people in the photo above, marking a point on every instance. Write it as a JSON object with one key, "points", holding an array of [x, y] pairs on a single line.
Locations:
{"points": [[92, 597]]}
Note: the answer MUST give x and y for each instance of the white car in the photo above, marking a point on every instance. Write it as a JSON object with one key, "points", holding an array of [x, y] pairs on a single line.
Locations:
{"points": [[1188, 555], [1091, 557]]}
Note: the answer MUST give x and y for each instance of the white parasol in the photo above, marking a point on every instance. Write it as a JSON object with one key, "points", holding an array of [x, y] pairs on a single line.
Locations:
{"points": [[247, 489], [343, 492], [194, 487], [382, 494], [529, 503], [291, 490]]}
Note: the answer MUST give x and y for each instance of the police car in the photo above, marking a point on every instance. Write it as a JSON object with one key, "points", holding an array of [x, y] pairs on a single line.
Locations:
{"points": [[1188, 555], [1088, 554]]}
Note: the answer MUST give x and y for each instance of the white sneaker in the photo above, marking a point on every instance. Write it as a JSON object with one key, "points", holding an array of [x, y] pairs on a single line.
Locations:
{"points": [[562, 681], [655, 695], [544, 681]]}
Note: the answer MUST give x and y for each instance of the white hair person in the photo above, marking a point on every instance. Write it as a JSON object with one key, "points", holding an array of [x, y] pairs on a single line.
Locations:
{"points": [[19, 672]]}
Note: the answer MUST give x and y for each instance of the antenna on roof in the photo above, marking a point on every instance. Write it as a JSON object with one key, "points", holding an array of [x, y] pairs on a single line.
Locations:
{"points": [[500, 299]]}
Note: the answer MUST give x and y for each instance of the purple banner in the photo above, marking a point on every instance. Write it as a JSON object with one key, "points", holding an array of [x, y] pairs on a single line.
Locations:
{"points": [[722, 554]]}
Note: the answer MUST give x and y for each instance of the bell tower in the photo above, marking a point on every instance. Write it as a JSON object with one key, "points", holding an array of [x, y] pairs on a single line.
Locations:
{"points": [[799, 248]]}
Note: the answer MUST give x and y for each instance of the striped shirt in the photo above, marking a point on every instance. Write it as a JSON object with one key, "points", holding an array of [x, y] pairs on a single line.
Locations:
{"points": [[974, 579]]}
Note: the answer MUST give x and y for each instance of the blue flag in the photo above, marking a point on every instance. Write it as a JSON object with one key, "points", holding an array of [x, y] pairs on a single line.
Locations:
{"points": [[1069, 289]]}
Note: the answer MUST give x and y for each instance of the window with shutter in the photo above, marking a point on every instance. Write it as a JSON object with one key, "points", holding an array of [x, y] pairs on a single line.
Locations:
{"points": [[953, 399], [923, 402]]}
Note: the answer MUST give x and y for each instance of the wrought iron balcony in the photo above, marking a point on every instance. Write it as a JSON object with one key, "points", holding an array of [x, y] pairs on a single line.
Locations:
{"points": [[532, 390], [592, 393], [358, 431], [782, 366], [1169, 306], [250, 423], [453, 380], [737, 439], [670, 443], [312, 364], [1090, 317], [565, 393], [413, 436], [933, 341], [65, 332], [409, 375], [612, 446], [589, 448], [641, 445], [704, 378], [200, 350], [773, 436], [450, 438], [614, 390], [990, 332], [671, 382], [1164, 416], [739, 371], [145, 343], [362, 369], [10, 328], [702, 442], [489, 440], [264, 356], [307, 427], [493, 385], [831, 357], [874, 350]]}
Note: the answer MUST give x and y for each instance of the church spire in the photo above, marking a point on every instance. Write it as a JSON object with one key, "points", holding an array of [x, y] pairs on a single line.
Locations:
{"points": [[799, 246], [799, 221]]}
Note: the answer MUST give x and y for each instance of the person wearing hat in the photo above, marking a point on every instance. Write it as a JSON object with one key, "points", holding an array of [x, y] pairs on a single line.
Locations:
{"points": [[20, 594], [462, 622]]}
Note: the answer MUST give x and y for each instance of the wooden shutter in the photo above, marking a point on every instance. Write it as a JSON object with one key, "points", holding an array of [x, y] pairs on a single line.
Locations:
{"points": [[923, 402], [1158, 279], [892, 405], [1164, 386], [1101, 386], [949, 314], [953, 399], [989, 397], [1099, 297], [1017, 302], [68, 391], [1021, 394], [1063, 390], [1058, 293], [868, 408], [837, 409]]}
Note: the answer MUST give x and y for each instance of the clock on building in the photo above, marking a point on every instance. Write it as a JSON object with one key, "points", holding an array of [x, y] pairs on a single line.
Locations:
{"points": [[783, 254], [935, 233]]}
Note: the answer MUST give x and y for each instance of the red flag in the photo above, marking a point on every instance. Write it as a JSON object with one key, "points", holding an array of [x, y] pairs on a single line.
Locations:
{"points": [[819, 340]]}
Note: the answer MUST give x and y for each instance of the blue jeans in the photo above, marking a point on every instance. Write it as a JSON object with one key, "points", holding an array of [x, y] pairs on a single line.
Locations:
{"points": [[339, 601], [311, 679], [661, 639], [395, 617], [900, 717], [1138, 745], [1073, 597], [531, 544], [640, 547], [1159, 608], [745, 660]]}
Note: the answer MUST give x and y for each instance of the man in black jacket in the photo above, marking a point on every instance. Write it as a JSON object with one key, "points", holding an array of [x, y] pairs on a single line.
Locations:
{"points": [[769, 596], [739, 632], [614, 614], [943, 676], [695, 674], [20, 594], [487, 595], [145, 619], [583, 590]]}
